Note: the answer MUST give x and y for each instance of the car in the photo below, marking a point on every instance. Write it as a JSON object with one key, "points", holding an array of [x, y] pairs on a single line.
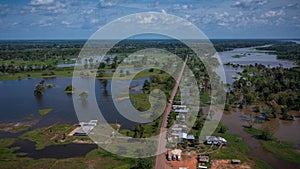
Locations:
{"points": [[169, 157], [209, 142], [174, 157]]}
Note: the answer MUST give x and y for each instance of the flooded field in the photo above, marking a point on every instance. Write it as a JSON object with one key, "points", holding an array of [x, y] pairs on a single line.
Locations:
{"points": [[235, 120]]}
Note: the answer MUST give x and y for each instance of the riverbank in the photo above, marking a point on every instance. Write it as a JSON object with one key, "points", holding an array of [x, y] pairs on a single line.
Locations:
{"points": [[280, 149], [257, 150], [52, 147], [37, 74]]}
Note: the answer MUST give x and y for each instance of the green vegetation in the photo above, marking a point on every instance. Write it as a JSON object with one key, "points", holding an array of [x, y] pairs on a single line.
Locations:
{"points": [[15, 127], [225, 45], [236, 148], [52, 135], [284, 50], [141, 101], [69, 89], [272, 88], [59, 72], [205, 98], [159, 80], [97, 158], [44, 111], [143, 130], [238, 56], [280, 149], [6, 142]]}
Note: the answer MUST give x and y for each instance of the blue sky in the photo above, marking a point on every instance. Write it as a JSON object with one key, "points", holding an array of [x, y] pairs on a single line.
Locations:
{"points": [[79, 19]]}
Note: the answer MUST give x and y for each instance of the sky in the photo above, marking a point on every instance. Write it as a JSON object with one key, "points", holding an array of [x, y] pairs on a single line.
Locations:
{"points": [[218, 19]]}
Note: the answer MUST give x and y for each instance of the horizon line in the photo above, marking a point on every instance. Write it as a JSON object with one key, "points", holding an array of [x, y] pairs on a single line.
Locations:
{"points": [[79, 39]]}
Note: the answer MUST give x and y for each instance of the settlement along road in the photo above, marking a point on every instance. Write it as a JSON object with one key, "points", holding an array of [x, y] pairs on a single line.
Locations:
{"points": [[162, 140]]}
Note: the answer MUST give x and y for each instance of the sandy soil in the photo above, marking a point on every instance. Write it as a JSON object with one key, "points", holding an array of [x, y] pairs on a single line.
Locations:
{"points": [[188, 161], [226, 164]]}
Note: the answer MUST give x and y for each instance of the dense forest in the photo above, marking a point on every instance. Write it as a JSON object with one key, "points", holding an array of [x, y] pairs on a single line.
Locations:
{"points": [[43, 50], [284, 50], [22, 56], [275, 90]]}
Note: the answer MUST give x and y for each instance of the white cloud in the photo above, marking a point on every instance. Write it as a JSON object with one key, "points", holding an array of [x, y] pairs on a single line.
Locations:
{"points": [[147, 19], [41, 2], [163, 11], [182, 7], [46, 7], [45, 22], [107, 3], [273, 13], [251, 4], [223, 24], [94, 21], [66, 23], [88, 12], [259, 21]]}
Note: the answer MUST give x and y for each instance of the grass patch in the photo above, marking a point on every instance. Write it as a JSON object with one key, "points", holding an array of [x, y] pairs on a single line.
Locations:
{"points": [[44, 111], [6, 142], [52, 135], [146, 73], [205, 98], [252, 131], [97, 158], [141, 101], [235, 148], [146, 116], [260, 164], [280, 149], [37, 74], [15, 127]]}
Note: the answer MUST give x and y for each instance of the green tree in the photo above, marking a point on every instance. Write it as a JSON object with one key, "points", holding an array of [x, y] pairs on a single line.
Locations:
{"points": [[267, 132], [223, 129], [38, 90], [69, 88], [143, 163], [83, 95], [146, 87]]}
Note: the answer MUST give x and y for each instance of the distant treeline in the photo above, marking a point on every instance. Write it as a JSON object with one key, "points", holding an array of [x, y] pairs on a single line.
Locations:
{"points": [[225, 45], [43, 50], [285, 50]]}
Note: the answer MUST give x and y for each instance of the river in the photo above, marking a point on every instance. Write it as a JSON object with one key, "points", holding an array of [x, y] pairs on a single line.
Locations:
{"points": [[249, 56], [234, 120], [19, 104]]}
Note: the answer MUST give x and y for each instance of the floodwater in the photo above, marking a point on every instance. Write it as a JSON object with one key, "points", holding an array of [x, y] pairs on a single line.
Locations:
{"points": [[18, 102], [284, 130], [235, 121], [250, 56], [53, 151]]}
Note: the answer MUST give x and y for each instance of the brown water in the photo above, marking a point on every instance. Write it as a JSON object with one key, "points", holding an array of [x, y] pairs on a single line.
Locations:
{"points": [[287, 130], [235, 121]]}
